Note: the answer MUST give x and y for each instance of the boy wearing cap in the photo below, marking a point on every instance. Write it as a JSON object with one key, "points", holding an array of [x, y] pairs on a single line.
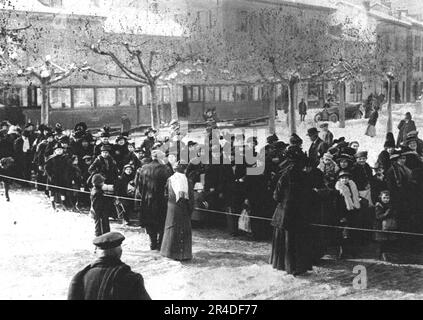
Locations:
{"points": [[121, 189], [108, 278], [105, 165], [99, 206], [362, 175]]}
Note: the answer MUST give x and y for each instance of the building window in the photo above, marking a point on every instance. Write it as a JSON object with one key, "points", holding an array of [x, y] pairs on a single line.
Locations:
{"points": [[257, 91], [83, 98], [106, 97], [60, 98], [126, 97]]}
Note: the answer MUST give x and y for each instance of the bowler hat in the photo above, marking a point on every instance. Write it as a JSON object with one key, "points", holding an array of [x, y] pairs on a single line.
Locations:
{"points": [[272, 139], [109, 241], [312, 132]]}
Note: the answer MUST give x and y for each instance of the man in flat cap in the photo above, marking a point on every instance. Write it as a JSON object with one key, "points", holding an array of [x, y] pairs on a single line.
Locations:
{"points": [[108, 278]]}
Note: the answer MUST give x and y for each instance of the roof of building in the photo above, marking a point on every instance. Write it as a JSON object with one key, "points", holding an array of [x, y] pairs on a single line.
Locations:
{"points": [[376, 14], [310, 4], [35, 6]]}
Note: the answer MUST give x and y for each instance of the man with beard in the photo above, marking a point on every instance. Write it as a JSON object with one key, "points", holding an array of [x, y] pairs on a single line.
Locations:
{"points": [[150, 183]]}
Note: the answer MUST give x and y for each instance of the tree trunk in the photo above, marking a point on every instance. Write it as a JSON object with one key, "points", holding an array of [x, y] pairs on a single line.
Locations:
{"points": [[342, 104], [389, 126], [44, 106], [174, 102], [155, 114], [272, 110], [291, 93]]}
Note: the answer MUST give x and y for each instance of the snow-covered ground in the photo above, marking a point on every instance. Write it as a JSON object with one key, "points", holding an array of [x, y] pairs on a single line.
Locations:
{"points": [[43, 249]]}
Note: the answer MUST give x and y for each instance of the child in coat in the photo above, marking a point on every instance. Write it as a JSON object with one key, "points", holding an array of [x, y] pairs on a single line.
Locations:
{"points": [[385, 221]]}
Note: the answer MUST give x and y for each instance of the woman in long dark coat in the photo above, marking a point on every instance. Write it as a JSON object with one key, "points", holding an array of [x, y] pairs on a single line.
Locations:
{"points": [[177, 240], [291, 243]]}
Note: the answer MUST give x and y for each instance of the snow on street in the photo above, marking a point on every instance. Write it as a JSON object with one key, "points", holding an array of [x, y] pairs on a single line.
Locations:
{"points": [[44, 249]]}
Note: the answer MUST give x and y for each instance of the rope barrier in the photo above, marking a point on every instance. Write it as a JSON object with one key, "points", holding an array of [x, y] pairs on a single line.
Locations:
{"points": [[219, 212]]}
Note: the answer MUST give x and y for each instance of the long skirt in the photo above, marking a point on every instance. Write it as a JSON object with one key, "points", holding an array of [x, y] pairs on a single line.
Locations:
{"points": [[371, 131], [291, 251], [177, 239]]}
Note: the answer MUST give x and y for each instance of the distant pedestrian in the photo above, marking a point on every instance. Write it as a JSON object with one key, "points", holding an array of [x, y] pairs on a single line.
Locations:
{"points": [[302, 110], [326, 135], [108, 278], [405, 127], [126, 124], [371, 128]]}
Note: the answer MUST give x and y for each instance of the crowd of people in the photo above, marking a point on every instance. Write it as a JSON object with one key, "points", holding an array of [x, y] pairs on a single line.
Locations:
{"points": [[331, 184]]}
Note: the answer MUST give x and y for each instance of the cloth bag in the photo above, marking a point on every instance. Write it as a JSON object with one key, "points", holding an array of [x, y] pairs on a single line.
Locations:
{"points": [[244, 222]]}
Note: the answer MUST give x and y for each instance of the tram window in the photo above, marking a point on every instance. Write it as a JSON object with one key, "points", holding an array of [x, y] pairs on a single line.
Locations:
{"points": [[228, 94], [12, 97], [241, 93], [257, 90], [212, 94], [126, 97], [196, 94], [60, 98], [84, 98], [106, 97], [165, 95]]}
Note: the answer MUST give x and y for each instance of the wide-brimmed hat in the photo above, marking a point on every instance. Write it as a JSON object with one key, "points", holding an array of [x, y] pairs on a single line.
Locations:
{"points": [[120, 138], [345, 156], [413, 134], [272, 139]]}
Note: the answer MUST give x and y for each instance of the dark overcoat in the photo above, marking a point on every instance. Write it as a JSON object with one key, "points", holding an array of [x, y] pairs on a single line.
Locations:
{"points": [[107, 279], [151, 204]]}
